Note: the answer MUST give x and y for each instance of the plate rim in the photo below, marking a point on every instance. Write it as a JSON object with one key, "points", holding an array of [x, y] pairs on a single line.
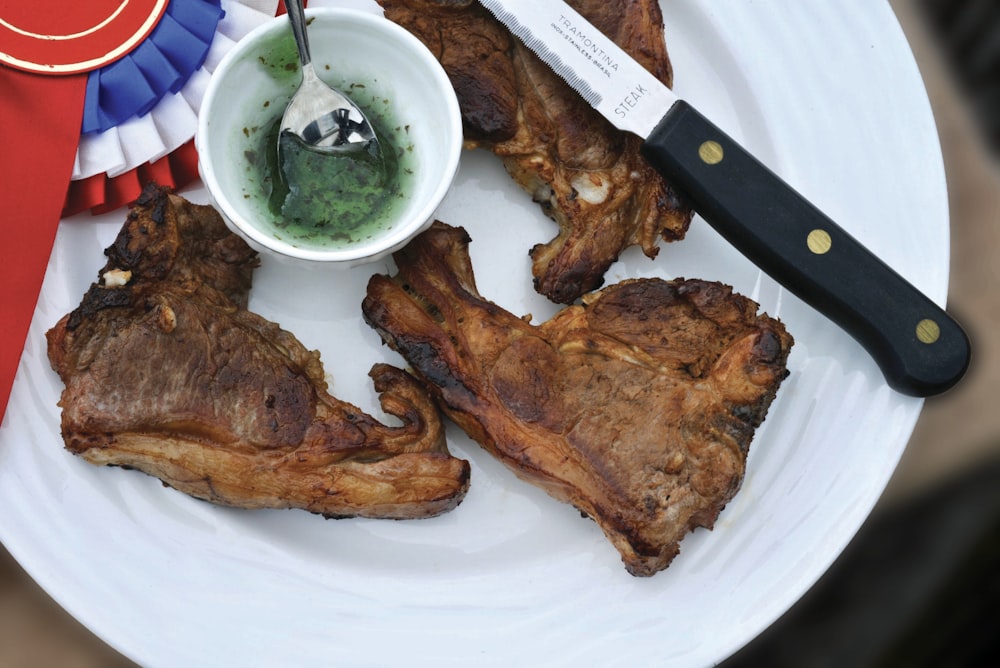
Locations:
{"points": [[50, 581]]}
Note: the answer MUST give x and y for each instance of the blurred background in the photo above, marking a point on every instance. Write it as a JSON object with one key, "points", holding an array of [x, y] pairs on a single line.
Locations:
{"points": [[920, 584]]}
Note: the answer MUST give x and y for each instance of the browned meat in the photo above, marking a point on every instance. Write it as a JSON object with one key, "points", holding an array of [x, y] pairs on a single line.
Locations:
{"points": [[588, 176], [170, 374], [637, 407]]}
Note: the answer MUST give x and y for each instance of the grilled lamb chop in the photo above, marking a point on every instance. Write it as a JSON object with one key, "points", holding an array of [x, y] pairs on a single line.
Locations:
{"points": [[167, 371], [637, 407], [588, 176]]}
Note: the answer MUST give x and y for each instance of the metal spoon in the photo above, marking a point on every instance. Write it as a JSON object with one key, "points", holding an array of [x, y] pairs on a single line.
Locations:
{"points": [[322, 117]]}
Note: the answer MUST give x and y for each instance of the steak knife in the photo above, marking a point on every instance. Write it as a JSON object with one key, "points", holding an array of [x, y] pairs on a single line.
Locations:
{"points": [[920, 349]]}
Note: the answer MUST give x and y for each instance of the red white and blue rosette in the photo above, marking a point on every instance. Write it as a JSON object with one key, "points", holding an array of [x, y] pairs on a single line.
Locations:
{"points": [[141, 111]]}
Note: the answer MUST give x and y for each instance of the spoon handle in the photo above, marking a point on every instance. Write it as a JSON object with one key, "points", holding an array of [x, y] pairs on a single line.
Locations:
{"points": [[297, 17]]}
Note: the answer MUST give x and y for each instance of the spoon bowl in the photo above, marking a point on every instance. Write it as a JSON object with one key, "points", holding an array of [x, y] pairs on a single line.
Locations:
{"points": [[323, 118]]}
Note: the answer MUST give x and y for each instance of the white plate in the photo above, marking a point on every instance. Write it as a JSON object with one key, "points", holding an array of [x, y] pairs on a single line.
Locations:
{"points": [[829, 95]]}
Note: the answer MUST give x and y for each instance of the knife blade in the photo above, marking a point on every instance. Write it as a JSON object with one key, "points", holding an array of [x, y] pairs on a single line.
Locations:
{"points": [[920, 349]]}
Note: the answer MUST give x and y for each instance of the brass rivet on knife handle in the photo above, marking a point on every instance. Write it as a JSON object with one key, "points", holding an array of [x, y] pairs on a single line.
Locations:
{"points": [[928, 331], [710, 152], [819, 241]]}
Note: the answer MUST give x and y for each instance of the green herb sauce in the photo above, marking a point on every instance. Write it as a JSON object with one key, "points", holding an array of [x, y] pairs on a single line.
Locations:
{"points": [[323, 201], [330, 200]]}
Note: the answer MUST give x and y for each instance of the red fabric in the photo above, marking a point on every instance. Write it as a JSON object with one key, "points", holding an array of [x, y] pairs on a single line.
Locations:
{"points": [[40, 120], [80, 48], [84, 194]]}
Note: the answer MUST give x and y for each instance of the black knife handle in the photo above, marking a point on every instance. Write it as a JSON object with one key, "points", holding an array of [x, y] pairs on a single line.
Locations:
{"points": [[920, 349]]}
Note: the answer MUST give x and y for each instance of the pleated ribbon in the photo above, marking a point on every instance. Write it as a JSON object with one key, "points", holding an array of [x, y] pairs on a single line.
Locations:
{"points": [[112, 165], [161, 64]]}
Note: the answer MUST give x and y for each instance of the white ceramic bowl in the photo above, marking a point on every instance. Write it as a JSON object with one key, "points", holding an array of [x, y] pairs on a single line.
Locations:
{"points": [[385, 69]]}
